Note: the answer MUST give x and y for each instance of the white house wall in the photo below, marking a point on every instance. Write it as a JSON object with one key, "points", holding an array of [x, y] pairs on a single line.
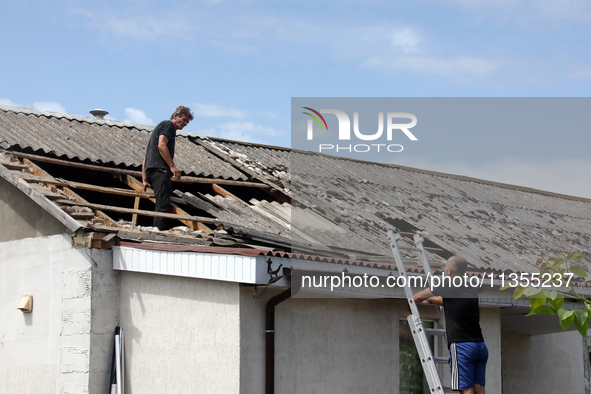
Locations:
{"points": [[54, 349], [337, 345], [543, 364], [182, 334]]}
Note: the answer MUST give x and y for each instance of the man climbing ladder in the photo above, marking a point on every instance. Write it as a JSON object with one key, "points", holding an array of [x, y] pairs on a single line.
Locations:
{"points": [[468, 352]]}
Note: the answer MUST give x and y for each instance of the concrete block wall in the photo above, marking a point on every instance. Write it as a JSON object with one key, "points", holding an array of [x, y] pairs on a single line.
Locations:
{"points": [[49, 350]]}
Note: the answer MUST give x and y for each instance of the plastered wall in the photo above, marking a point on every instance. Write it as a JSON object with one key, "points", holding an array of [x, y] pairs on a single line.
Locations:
{"points": [[182, 334], [49, 350], [338, 345], [544, 364]]}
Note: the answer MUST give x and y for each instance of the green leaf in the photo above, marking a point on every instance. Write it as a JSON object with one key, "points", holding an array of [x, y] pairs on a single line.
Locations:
{"points": [[567, 318], [583, 328], [543, 269], [518, 292], [557, 301], [506, 286], [543, 310], [556, 260], [574, 256], [581, 315], [532, 291], [578, 271], [535, 302], [551, 294]]}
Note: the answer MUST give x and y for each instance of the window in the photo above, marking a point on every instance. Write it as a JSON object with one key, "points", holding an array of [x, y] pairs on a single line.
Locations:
{"points": [[412, 378]]}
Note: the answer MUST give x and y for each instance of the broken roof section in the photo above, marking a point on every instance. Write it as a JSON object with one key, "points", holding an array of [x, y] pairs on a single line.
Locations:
{"points": [[496, 226], [241, 195]]}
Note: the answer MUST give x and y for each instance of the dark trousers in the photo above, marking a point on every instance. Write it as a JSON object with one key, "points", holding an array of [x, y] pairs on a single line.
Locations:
{"points": [[162, 186]]}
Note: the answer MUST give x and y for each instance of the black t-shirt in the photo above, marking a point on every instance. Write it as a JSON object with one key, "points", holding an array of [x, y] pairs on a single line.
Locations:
{"points": [[153, 157], [462, 313]]}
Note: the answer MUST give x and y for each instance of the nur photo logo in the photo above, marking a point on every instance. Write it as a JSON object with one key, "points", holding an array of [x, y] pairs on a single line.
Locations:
{"points": [[392, 120]]}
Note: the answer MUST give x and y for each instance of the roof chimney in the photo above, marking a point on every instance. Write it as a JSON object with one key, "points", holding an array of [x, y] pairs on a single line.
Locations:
{"points": [[99, 113]]}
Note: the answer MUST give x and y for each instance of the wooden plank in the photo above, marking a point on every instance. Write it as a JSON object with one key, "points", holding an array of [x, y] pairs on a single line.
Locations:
{"points": [[41, 172], [78, 185], [139, 186], [224, 193], [136, 205], [138, 211], [15, 166], [136, 174], [43, 202]]}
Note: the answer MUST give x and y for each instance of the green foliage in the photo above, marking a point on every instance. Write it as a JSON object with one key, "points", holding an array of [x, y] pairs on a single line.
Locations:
{"points": [[558, 272]]}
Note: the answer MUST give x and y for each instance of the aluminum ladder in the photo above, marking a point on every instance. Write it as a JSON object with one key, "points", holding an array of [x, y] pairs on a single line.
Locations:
{"points": [[419, 332]]}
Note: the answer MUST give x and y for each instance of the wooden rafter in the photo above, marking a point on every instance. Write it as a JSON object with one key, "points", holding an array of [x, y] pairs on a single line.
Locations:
{"points": [[136, 174], [137, 211], [139, 187], [79, 185], [41, 200], [224, 193], [40, 172]]}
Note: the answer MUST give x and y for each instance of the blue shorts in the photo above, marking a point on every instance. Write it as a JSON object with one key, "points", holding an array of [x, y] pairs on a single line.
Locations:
{"points": [[467, 361]]}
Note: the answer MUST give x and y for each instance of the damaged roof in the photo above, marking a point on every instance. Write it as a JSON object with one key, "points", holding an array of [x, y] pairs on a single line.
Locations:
{"points": [[243, 195], [495, 226], [100, 141]]}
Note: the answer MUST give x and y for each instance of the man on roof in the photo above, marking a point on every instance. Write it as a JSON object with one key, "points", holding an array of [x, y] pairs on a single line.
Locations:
{"points": [[467, 352], [158, 167]]}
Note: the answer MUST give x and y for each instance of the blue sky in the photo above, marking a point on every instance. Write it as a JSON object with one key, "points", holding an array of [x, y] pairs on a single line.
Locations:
{"points": [[238, 63]]}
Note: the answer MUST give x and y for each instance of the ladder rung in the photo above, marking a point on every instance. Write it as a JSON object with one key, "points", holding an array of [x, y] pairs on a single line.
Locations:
{"points": [[441, 360], [408, 248], [435, 331]]}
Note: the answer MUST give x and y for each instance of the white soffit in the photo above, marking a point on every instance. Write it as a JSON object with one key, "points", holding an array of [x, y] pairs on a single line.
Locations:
{"points": [[225, 267]]}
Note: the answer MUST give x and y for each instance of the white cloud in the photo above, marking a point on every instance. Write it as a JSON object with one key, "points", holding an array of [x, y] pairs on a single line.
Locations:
{"points": [[242, 131], [459, 67], [406, 39], [214, 110], [137, 116], [5, 101], [143, 27], [270, 114], [381, 47], [564, 176], [50, 106]]}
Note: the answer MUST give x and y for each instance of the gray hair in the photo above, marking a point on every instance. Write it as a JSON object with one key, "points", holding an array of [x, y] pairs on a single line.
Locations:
{"points": [[182, 111]]}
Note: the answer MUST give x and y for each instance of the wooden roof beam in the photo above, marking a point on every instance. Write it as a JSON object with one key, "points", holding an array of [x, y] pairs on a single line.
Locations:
{"points": [[139, 187], [137, 211], [136, 174], [41, 172]]}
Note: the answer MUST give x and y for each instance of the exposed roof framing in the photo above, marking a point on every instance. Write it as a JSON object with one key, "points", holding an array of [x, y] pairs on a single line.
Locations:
{"points": [[59, 182], [40, 199], [137, 174]]}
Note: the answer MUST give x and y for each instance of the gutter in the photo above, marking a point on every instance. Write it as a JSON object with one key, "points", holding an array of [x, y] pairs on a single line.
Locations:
{"points": [[270, 339]]}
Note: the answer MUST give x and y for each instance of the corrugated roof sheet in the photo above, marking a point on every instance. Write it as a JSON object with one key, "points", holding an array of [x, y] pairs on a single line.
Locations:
{"points": [[495, 226], [351, 203], [101, 141]]}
